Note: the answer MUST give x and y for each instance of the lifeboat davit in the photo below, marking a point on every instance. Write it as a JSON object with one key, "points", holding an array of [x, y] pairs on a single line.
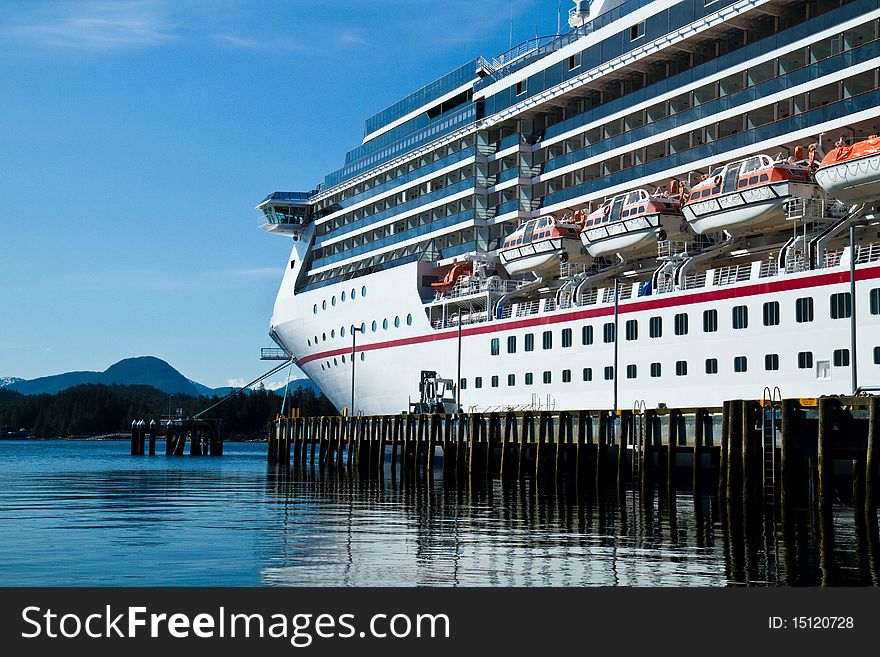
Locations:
{"points": [[459, 270], [748, 196], [540, 245], [632, 222], [852, 173]]}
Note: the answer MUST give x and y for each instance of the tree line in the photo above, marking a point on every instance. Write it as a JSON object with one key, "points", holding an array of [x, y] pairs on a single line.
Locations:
{"points": [[94, 410]]}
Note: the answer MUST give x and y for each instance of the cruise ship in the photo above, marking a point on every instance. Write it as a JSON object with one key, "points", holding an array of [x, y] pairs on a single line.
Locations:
{"points": [[668, 203]]}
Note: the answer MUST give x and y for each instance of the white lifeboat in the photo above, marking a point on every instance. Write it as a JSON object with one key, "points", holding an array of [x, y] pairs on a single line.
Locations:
{"points": [[852, 173], [748, 196], [539, 245], [632, 222]]}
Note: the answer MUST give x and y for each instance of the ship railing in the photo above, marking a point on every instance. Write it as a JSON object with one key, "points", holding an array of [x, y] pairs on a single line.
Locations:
{"points": [[571, 269], [521, 49], [795, 262], [588, 297], [665, 285], [506, 312], [526, 308], [799, 209], [867, 253], [624, 292], [768, 269], [549, 305], [674, 249], [732, 274], [832, 258], [694, 281]]}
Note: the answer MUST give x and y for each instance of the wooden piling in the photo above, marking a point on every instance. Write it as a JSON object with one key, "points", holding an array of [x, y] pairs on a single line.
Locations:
{"points": [[734, 470], [723, 462], [623, 447], [647, 457], [825, 459], [671, 454], [699, 427], [786, 457], [601, 451], [871, 473]]}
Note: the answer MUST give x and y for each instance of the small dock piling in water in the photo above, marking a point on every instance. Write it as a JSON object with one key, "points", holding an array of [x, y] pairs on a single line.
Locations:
{"points": [[205, 437]]}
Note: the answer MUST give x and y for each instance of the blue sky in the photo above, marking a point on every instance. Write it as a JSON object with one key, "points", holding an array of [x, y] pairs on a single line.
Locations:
{"points": [[136, 138]]}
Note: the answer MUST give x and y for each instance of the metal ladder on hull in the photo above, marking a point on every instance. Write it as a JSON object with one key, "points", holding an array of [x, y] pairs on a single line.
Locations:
{"points": [[771, 416]]}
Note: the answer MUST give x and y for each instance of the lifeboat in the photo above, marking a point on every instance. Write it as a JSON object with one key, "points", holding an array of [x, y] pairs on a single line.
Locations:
{"points": [[632, 222], [540, 245], [852, 173], [458, 271], [748, 196]]}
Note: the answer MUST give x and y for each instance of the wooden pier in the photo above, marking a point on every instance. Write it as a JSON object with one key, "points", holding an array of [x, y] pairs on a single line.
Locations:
{"points": [[772, 452]]}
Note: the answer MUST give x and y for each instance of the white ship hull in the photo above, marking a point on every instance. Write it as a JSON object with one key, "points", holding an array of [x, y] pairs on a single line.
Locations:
{"points": [[389, 360]]}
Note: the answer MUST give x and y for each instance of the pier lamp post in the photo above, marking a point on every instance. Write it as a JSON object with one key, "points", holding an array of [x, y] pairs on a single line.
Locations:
{"points": [[354, 331]]}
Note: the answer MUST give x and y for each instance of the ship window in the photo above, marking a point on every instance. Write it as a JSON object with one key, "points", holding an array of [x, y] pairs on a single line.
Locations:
{"points": [[841, 305], [771, 313], [588, 372], [323, 337], [332, 333], [409, 320], [363, 327], [631, 371], [521, 87], [656, 370], [608, 332], [875, 301], [462, 385], [841, 357], [753, 180], [805, 360], [333, 300], [566, 337], [385, 324], [364, 291], [548, 377], [566, 376], [511, 380], [587, 335], [574, 61], [529, 340], [363, 356], [335, 362], [373, 326], [740, 317], [342, 332], [530, 378], [609, 373], [710, 321], [743, 182], [637, 31], [711, 366], [681, 368], [324, 304], [803, 310], [740, 364], [322, 367], [771, 362], [876, 355], [315, 309], [343, 359], [765, 177], [495, 346], [495, 381], [547, 340], [397, 322], [632, 329], [343, 297], [353, 294], [309, 341], [511, 344], [478, 382], [681, 324], [655, 327]]}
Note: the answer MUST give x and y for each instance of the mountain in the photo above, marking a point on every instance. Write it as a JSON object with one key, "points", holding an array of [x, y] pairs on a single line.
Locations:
{"points": [[6, 381], [144, 370]]}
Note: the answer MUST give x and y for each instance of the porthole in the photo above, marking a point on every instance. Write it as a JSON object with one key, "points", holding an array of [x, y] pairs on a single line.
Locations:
{"points": [[362, 355], [364, 291], [409, 320], [363, 327], [333, 300], [397, 322], [335, 362], [315, 309], [343, 297], [332, 333], [323, 337], [316, 339], [343, 359], [373, 326], [328, 364], [324, 304], [385, 324], [309, 342], [322, 367], [342, 332], [353, 294]]}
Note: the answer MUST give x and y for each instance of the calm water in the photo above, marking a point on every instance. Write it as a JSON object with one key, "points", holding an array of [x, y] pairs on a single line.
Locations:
{"points": [[87, 513]]}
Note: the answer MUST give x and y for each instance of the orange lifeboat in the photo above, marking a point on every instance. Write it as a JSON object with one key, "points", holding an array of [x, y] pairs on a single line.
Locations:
{"points": [[852, 173], [452, 276], [540, 245], [634, 221], [748, 196]]}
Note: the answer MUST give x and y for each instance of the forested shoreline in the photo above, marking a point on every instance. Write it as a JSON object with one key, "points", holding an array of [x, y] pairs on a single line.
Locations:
{"points": [[98, 410]]}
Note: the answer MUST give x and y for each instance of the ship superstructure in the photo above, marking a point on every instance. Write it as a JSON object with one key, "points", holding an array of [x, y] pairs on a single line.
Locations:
{"points": [[636, 210]]}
